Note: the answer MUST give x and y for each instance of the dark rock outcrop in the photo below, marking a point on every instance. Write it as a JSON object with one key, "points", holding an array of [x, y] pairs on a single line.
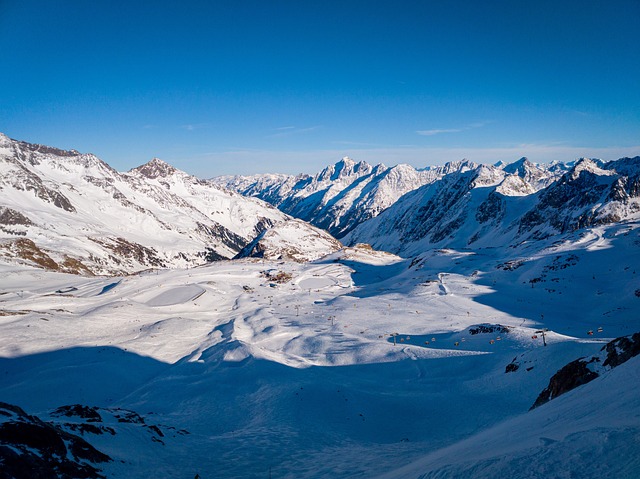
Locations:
{"points": [[512, 367], [9, 216], [577, 372], [622, 349], [569, 377], [30, 447], [488, 329], [90, 414]]}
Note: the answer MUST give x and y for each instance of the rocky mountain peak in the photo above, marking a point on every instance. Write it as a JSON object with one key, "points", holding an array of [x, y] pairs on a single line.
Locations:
{"points": [[460, 165], [588, 165], [518, 167], [37, 151], [4, 140], [488, 175], [515, 185], [156, 168], [344, 168], [381, 167]]}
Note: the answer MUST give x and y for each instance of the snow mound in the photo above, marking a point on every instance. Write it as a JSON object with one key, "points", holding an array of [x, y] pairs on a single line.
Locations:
{"points": [[177, 295]]}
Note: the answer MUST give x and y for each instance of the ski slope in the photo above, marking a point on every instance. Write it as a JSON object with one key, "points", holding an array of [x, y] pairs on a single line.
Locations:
{"points": [[359, 364]]}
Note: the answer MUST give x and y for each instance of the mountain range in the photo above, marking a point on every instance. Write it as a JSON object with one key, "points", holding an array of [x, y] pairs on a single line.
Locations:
{"points": [[484, 206], [72, 212], [339, 197], [461, 204], [472, 321]]}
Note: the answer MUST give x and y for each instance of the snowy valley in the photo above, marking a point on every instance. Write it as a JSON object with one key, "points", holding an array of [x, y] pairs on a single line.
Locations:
{"points": [[208, 333]]}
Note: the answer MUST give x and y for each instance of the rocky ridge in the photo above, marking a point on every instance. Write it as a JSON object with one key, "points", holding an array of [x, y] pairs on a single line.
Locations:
{"points": [[72, 212], [339, 197], [481, 206]]}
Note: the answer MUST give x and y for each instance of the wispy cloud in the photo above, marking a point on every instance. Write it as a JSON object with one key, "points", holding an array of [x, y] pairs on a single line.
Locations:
{"points": [[580, 112], [369, 145], [284, 131], [438, 131], [194, 126]]}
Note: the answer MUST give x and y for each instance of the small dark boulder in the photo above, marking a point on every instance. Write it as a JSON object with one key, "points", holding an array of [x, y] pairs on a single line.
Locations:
{"points": [[512, 367]]}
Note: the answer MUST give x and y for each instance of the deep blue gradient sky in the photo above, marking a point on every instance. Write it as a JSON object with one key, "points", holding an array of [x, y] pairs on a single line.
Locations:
{"points": [[225, 87]]}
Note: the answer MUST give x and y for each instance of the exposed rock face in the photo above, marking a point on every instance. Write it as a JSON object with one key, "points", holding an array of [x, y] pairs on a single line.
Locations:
{"points": [[29, 447], [10, 216], [228, 238], [91, 414], [33, 448], [492, 209], [582, 371], [27, 249], [621, 350], [24, 179], [574, 374], [567, 205], [155, 168], [123, 249], [512, 367], [532, 177]]}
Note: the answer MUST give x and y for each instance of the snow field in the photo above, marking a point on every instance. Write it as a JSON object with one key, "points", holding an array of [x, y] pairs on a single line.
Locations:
{"points": [[302, 377]]}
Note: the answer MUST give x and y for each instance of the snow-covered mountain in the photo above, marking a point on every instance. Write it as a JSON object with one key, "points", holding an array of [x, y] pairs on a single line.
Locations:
{"points": [[72, 212], [460, 204], [339, 197], [292, 240], [483, 206]]}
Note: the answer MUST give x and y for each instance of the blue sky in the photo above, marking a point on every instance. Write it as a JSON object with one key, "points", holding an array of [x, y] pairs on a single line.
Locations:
{"points": [[239, 87]]}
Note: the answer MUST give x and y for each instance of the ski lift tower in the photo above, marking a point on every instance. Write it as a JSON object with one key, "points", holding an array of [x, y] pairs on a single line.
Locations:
{"points": [[543, 331]]}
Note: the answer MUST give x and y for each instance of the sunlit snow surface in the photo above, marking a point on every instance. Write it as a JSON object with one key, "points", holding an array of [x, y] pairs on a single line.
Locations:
{"points": [[292, 368]]}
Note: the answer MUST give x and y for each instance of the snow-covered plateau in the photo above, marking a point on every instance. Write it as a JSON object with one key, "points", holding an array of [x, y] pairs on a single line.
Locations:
{"points": [[515, 355]]}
